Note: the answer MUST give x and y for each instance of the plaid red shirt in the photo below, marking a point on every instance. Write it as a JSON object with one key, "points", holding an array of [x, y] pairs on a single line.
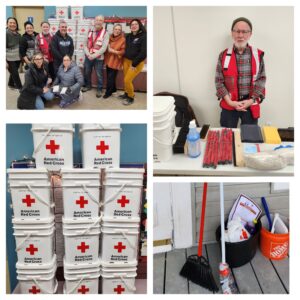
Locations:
{"points": [[245, 76]]}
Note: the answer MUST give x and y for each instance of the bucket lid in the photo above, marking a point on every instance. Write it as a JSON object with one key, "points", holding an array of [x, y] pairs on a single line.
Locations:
{"points": [[65, 172], [81, 222], [18, 221], [118, 269], [112, 222], [132, 263], [162, 104], [125, 170], [120, 182], [39, 277], [118, 275], [90, 265], [31, 232], [27, 171], [91, 275], [107, 126], [33, 226], [43, 266], [54, 127]]}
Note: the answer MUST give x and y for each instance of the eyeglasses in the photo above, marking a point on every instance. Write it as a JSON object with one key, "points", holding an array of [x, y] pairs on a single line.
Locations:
{"points": [[38, 58], [244, 32]]}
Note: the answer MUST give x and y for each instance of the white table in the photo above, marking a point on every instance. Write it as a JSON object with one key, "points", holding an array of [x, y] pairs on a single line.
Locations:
{"points": [[181, 164]]}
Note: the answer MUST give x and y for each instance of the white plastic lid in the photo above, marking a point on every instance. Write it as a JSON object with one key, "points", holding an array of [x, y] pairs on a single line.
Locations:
{"points": [[112, 222], [107, 126], [162, 105], [73, 277], [192, 124], [118, 275], [125, 170], [18, 221], [27, 171], [81, 222], [53, 127], [39, 232], [90, 265], [80, 171], [132, 263]]}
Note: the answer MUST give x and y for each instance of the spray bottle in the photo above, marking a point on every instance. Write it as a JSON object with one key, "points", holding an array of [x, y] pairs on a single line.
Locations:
{"points": [[193, 141]]}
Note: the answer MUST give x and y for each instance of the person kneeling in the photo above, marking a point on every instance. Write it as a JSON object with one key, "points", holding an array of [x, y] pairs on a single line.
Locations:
{"points": [[69, 79], [35, 90]]}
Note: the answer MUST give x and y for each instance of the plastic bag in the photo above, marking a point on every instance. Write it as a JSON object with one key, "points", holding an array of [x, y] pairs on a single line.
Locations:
{"points": [[269, 160], [236, 232], [287, 154]]}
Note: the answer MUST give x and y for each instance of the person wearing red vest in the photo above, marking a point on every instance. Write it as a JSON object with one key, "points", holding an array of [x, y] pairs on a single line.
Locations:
{"points": [[240, 78], [95, 48], [42, 43]]}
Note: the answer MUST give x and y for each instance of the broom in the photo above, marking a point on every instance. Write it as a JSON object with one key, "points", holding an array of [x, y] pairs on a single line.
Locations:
{"points": [[197, 268]]}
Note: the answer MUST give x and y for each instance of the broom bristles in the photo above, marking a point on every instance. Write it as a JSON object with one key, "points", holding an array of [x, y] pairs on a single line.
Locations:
{"points": [[198, 270]]}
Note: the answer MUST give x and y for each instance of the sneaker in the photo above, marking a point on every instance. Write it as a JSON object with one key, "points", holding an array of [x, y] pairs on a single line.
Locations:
{"points": [[86, 88], [128, 101], [106, 96], [124, 96], [99, 94], [80, 96]]}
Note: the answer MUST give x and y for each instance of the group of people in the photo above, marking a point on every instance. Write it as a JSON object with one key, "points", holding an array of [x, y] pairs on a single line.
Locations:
{"points": [[50, 71]]}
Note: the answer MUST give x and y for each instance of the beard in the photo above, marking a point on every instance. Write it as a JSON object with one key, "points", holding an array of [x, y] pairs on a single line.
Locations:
{"points": [[241, 45]]}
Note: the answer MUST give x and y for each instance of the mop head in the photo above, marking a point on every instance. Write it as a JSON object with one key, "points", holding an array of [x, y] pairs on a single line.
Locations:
{"points": [[226, 279], [198, 270]]}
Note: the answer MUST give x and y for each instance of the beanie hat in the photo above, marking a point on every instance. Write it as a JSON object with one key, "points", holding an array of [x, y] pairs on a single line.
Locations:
{"points": [[241, 19]]}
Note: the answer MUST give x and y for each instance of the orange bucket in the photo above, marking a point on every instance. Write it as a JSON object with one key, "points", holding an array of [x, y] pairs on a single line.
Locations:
{"points": [[272, 245]]}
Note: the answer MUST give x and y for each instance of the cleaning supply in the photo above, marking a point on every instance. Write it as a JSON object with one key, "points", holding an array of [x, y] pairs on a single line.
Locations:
{"points": [[250, 226], [266, 208], [271, 135], [278, 225], [226, 279], [193, 140], [197, 268], [236, 231]]}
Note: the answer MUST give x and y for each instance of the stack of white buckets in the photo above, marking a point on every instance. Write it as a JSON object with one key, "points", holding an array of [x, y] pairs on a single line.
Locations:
{"points": [[163, 127], [84, 205]]}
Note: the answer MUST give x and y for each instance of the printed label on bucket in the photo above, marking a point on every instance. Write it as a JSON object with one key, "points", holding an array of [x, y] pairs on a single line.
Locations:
{"points": [[279, 250]]}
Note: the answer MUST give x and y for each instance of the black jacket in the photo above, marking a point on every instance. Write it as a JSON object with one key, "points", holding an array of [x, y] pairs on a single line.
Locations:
{"points": [[136, 47], [60, 46], [35, 80], [27, 45]]}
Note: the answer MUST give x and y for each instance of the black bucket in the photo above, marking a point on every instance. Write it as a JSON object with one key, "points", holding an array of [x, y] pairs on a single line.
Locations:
{"points": [[239, 254]]}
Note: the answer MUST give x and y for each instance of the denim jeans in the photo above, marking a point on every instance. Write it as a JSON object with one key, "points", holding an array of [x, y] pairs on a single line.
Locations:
{"points": [[88, 67], [39, 103]]}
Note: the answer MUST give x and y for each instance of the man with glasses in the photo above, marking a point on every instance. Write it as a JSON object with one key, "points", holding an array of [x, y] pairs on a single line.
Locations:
{"points": [[240, 78], [61, 45]]}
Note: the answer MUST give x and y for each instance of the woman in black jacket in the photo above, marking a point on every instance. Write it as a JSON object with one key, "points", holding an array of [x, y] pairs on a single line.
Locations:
{"points": [[135, 54], [35, 89]]}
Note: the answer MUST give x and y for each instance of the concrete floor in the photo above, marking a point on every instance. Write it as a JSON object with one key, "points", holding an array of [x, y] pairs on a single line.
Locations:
{"points": [[89, 101]]}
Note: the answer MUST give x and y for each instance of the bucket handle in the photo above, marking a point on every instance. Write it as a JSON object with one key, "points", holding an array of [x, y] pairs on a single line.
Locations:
{"points": [[23, 241], [90, 195], [77, 285], [41, 142], [162, 143], [128, 240], [89, 228], [111, 198], [42, 289], [39, 197], [129, 287]]}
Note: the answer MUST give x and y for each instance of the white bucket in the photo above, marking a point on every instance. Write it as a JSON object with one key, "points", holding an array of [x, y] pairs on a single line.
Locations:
{"points": [[168, 119], [62, 12], [81, 241], [162, 105], [80, 56], [34, 246], [85, 283], [53, 145], [100, 144], [81, 193], [71, 29], [80, 43], [76, 12], [91, 267], [118, 282], [31, 193], [38, 280], [44, 224], [122, 200], [119, 243], [54, 24], [38, 268], [83, 27]]}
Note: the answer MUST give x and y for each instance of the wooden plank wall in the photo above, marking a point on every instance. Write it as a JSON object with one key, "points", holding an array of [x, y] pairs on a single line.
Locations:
{"points": [[277, 202]]}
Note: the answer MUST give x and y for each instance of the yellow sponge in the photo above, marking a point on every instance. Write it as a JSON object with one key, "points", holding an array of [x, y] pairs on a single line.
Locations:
{"points": [[271, 135]]}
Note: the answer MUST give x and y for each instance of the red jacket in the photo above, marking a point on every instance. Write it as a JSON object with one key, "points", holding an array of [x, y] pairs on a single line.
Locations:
{"points": [[95, 44], [43, 45], [230, 72]]}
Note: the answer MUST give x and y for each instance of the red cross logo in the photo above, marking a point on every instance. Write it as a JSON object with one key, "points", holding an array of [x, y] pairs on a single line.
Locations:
{"points": [[102, 147], [61, 12], [28, 200], [82, 30], [69, 29], [123, 201], [83, 247], [120, 247], [34, 290], [83, 289], [76, 12], [81, 46], [52, 147], [81, 59], [119, 289], [81, 201], [53, 28], [31, 249]]}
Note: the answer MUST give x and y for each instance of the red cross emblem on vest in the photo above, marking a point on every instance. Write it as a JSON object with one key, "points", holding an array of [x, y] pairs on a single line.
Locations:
{"points": [[34, 290], [81, 201], [123, 201], [83, 247], [31, 249], [28, 200], [119, 289], [102, 147], [61, 12], [83, 289], [120, 247], [52, 147]]}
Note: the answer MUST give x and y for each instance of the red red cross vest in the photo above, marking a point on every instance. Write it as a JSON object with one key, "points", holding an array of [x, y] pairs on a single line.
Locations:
{"points": [[44, 46], [95, 44], [230, 72]]}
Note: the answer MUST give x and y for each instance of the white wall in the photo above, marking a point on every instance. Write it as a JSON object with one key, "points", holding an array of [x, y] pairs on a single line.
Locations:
{"points": [[200, 33]]}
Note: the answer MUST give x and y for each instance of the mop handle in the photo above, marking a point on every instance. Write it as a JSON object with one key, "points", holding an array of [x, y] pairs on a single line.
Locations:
{"points": [[222, 222], [201, 230]]}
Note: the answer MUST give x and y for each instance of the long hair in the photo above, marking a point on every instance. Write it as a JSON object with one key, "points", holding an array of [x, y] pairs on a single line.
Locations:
{"points": [[43, 66], [141, 26], [12, 18]]}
